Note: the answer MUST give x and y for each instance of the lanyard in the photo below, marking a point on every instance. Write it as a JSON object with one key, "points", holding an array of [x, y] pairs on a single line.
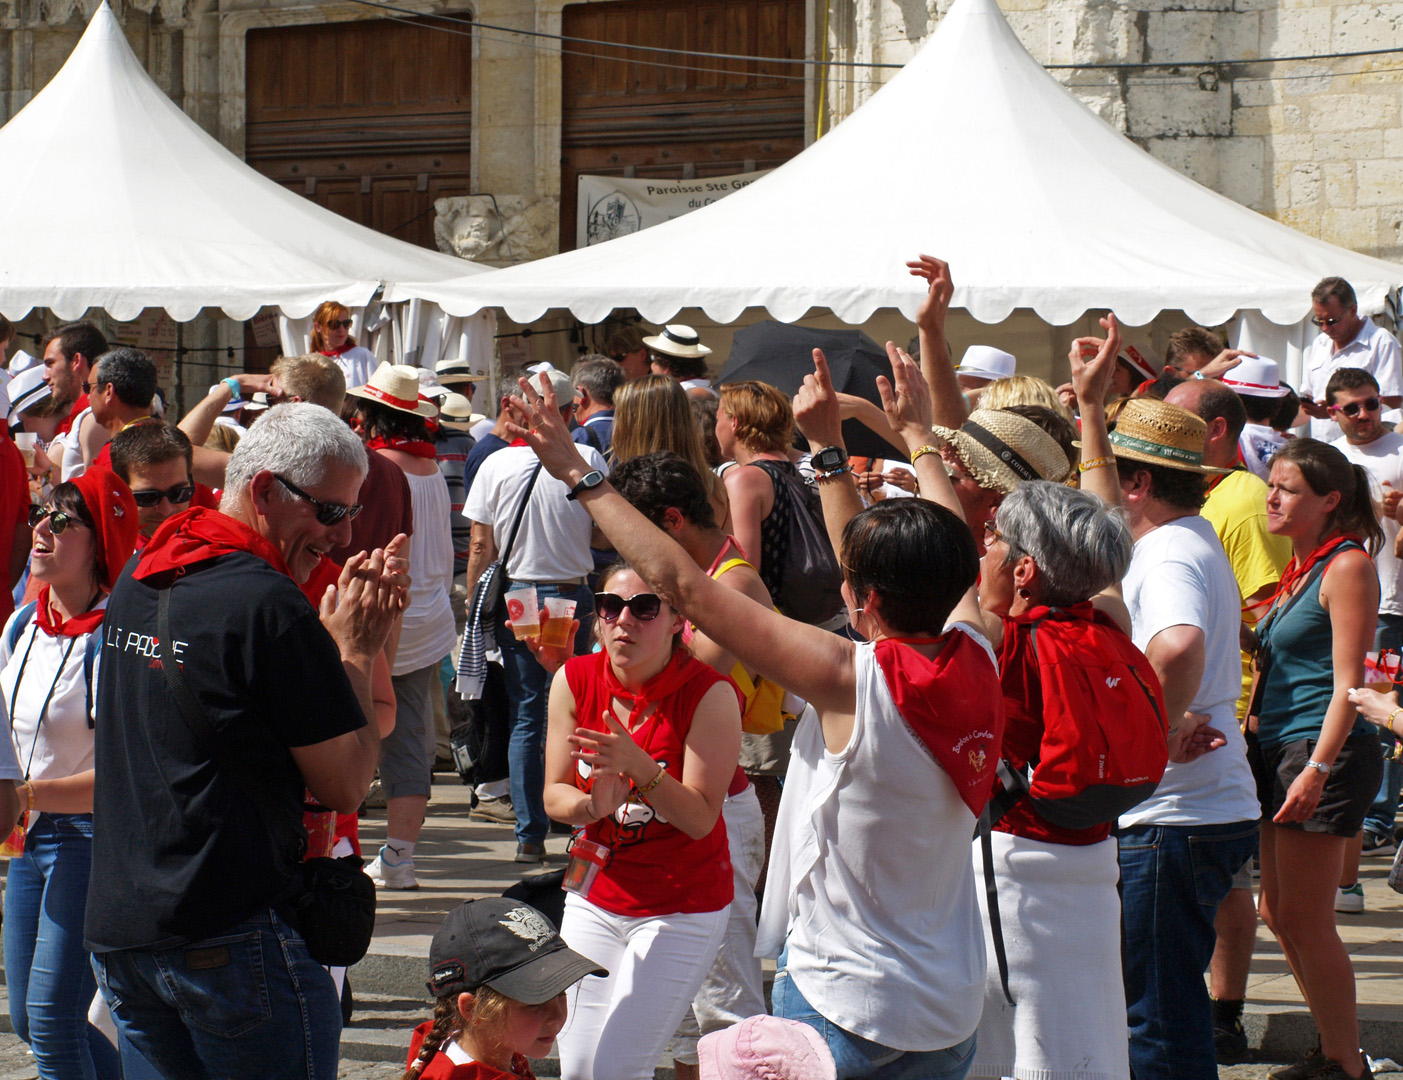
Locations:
{"points": [[44, 709]]}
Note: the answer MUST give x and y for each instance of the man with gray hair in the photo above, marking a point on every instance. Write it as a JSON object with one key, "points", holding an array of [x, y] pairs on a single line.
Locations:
{"points": [[197, 806], [122, 387], [595, 378]]}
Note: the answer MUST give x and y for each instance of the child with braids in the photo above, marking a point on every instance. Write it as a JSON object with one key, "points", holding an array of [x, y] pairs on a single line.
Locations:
{"points": [[498, 972]]}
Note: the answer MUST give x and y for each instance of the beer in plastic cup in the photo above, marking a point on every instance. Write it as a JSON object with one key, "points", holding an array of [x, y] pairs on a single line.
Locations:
{"points": [[28, 442], [525, 616], [560, 613]]}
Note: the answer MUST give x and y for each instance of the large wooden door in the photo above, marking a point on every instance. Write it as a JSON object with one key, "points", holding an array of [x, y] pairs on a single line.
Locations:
{"points": [[371, 119], [623, 110]]}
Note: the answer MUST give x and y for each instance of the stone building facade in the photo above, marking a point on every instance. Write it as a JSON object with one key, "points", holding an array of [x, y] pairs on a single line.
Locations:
{"points": [[1317, 144]]}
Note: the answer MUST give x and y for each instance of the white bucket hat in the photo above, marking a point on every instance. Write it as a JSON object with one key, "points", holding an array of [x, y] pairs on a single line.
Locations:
{"points": [[677, 340], [397, 386], [1256, 377], [986, 362]]}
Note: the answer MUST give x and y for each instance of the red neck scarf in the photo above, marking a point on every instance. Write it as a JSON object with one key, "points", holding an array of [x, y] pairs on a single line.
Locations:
{"points": [[1294, 574], [953, 706], [338, 352], [417, 447], [680, 670], [198, 535], [55, 625]]}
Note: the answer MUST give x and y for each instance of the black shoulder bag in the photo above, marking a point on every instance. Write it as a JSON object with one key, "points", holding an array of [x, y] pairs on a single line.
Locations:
{"points": [[493, 578], [334, 909]]}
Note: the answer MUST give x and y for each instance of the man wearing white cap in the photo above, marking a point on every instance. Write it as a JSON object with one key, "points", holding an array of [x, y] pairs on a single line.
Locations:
{"points": [[1257, 381], [1346, 339], [981, 365], [679, 353]]}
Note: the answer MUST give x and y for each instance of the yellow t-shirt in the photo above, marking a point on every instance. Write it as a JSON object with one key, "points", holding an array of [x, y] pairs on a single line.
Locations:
{"points": [[1237, 509]]}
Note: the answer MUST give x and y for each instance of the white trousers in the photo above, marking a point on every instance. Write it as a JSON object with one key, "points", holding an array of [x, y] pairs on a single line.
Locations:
{"points": [[618, 1026]]}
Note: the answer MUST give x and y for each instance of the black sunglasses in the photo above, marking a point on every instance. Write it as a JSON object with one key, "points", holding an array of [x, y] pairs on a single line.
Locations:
{"points": [[328, 513], [58, 520], [339, 324], [645, 605], [148, 497], [1352, 409], [1328, 322]]}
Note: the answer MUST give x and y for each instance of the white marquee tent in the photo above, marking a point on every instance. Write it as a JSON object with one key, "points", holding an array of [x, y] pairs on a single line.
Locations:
{"points": [[111, 197], [974, 153]]}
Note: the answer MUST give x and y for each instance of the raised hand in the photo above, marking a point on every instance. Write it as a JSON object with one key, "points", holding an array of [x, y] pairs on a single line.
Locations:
{"points": [[816, 407], [1225, 361], [361, 611], [1093, 362], [536, 418], [931, 315], [906, 398]]}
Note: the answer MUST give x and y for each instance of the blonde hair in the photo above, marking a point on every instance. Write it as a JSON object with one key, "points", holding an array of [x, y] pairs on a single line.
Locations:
{"points": [[1022, 390], [653, 413], [313, 377], [488, 1017], [764, 420], [328, 311]]}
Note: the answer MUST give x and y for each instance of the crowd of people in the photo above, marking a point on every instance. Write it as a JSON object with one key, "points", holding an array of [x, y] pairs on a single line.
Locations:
{"points": [[984, 742]]}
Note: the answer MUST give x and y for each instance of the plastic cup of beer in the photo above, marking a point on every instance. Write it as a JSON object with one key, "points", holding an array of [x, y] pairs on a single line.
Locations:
{"points": [[525, 616], [28, 442], [560, 613]]}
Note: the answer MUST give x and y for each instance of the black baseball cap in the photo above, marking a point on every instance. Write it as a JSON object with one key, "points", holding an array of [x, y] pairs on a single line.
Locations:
{"points": [[507, 945]]}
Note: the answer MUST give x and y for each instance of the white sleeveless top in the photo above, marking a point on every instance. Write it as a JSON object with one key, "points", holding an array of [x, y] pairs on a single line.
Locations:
{"points": [[871, 879], [428, 632]]}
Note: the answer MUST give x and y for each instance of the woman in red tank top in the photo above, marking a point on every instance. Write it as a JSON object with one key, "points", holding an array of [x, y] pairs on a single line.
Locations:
{"points": [[642, 745]]}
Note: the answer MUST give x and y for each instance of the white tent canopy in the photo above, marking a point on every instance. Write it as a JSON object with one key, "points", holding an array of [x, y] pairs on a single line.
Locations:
{"points": [[111, 197], [974, 153]]}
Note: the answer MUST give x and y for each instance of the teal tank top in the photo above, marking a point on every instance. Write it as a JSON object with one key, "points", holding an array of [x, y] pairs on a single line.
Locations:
{"points": [[1301, 679]]}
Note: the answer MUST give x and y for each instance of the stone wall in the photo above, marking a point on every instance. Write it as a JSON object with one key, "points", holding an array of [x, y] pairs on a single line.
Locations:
{"points": [[1317, 145]]}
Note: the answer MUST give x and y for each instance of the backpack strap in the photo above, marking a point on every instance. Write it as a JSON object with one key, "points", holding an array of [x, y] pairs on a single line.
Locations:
{"points": [[23, 618]]}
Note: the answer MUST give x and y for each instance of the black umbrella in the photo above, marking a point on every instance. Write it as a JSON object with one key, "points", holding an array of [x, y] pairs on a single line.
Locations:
{"points": [[782, 354]]}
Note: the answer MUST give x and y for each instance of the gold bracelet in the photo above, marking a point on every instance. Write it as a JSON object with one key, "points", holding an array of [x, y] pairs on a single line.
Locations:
{"points": [[1389, 722], [30, 788], [651, 784], [920, 450], [1095, 463]]}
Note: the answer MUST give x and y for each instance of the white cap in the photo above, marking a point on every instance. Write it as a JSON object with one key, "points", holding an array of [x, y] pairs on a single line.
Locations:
{"points": [[986, 362]]}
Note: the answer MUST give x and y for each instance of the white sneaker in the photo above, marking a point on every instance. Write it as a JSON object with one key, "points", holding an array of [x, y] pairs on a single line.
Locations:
{"points": [[1350, 901], [387, 875]]}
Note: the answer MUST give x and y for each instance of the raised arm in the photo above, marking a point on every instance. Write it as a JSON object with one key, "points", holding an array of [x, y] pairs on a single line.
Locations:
{"points": [[948, 407], [816, 665], [817, 414], [1093, 363]]}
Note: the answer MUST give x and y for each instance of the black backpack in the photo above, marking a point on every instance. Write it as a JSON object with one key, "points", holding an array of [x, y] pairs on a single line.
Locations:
{"points": [[810, 581]]}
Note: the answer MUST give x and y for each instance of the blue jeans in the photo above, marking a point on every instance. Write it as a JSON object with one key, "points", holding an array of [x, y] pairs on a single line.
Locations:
{"points": [[46, 966], [858, 1057], [1379, 820], [1173, 877], [527, 690], [248, 1002]]}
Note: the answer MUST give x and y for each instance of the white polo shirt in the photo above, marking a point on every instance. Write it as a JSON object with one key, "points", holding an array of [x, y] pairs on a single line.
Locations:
{"points": [[1374, 349]]}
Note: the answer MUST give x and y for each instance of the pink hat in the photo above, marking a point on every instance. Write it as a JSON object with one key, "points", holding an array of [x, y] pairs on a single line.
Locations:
{"points": [[765, 1048]]}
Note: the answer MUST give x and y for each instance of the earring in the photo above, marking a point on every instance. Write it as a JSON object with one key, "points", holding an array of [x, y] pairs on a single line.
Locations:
{"points": [[1025, 593]]}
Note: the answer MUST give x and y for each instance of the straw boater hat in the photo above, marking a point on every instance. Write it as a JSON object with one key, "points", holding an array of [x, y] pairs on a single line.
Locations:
{"points": [[986, 362], [1002, 449], [456, 371], [677, 340], [1256, 377], [456, 412], [1157, 433], [396, 386]]}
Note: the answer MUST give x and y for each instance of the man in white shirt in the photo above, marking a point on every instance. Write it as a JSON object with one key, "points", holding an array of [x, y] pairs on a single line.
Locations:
{"points": [[1180, 848], [552, 552], [1346, 340], [1354, 401]]}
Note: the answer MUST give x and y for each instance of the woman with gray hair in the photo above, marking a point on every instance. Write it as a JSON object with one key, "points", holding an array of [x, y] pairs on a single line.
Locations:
{"points": [[1049, 590]]}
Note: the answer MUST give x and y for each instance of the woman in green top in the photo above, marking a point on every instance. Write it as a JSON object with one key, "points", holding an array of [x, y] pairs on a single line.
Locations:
{"points": [[1317, 762]]}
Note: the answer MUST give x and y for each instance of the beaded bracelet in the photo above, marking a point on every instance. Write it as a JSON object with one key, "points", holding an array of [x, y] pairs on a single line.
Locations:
{"points": [[1095, 463], [651, 784], [921, 450]]}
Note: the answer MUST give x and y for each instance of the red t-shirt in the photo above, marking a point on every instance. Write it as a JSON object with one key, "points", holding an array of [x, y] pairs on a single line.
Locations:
{"points": [[389, 509], [654, 867], [441, 1067], [14, 508]]}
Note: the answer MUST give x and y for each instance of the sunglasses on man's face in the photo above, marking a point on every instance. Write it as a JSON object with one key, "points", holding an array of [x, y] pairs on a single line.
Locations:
{"points": [[328, 513], [149, 497], [58, 520], [1352, 409], [645, 605], [339, 324], [1328, 322]]}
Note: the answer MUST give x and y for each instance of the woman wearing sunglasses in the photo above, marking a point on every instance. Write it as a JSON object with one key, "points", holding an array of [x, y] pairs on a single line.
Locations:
{"points": [[47, 678], [1317, 761], [641, 748], [331, 336], [871, 896]]}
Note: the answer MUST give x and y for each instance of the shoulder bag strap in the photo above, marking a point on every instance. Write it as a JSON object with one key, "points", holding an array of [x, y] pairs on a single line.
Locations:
{"points": [[520, 513]]}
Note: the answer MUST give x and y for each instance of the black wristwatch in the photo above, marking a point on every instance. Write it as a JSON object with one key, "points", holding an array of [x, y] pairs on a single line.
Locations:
{"points": [[591, 479], [830, 459]]}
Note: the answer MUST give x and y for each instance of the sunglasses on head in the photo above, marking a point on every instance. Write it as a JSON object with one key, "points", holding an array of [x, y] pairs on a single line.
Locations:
{"points": [[328, 513], [1352, 409], [339, 324], [1328, 322], [149, 497], [58, 520], [645, 605]]}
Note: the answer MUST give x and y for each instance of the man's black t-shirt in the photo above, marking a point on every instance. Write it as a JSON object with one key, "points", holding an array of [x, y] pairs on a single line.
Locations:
{"points": [[179, 852]]}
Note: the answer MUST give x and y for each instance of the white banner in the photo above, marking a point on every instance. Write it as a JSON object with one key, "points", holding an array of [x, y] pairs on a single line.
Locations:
{"points": [[612, 206]]}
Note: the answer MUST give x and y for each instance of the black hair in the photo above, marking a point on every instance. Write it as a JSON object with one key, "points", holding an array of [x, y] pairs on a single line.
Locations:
{"points": [[1159, 388], [679, 367], [77, 337], [70, 500], [130, 372], [1349, 378], [917, 556], [1337, 287], [389, 423], [1260, 410], [1286, 411], [653, 482], [1179, 488]]}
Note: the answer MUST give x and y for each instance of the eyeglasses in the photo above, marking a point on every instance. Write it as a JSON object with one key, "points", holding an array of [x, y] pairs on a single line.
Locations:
{"points": [[645, 605], [1328, 322], [1352, 409], [991, 534], [339, 324], [328, 513], [58, 520], [148, 497]]}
